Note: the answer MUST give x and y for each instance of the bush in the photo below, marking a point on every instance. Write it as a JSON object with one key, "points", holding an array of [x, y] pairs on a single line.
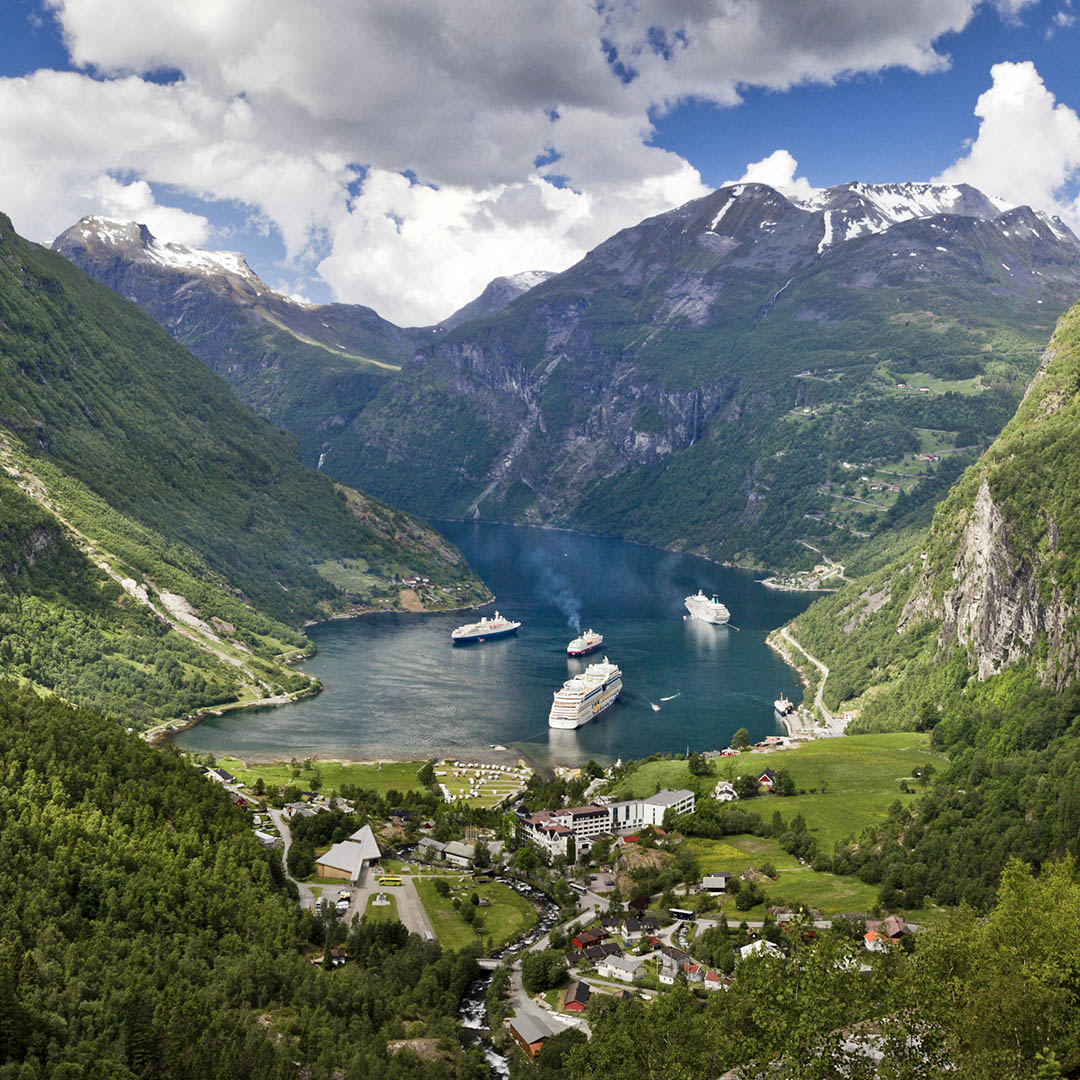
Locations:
{"points": [[542, 971]]}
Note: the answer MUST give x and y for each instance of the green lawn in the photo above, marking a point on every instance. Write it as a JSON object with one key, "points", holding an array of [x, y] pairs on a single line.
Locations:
{"points": [[507, 917], [734, 854], [378, 777], [388, 913], [644, 780], [860, 775]]}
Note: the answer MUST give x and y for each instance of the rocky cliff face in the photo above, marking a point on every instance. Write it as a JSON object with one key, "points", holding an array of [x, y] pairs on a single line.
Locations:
{"points": [[726, 358], [996, 579]]}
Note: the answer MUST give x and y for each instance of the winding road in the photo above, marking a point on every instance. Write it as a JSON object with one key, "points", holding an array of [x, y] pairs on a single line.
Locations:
{"points": [[835, 724]]}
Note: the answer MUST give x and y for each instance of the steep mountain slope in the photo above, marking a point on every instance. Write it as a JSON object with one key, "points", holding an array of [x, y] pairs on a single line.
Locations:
{"points": [[156, 490], [974, 635], [733, 375], [305, 368], [309, 368], [992, 587]]}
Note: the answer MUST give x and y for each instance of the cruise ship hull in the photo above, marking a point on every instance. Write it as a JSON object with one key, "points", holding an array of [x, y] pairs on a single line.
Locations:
{"points": [[566, 723], [484, 635], [585, 650], [704, 611]]}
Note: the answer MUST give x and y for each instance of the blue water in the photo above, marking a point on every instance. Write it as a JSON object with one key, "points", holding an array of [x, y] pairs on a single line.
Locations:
{"points": [[397, 688]]}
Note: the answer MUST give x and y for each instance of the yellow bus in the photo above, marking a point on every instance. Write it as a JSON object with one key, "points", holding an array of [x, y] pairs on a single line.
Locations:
{"points": [[389, 879]]}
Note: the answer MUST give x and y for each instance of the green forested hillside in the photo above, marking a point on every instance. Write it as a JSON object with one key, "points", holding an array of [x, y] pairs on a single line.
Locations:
{"points": [[99, 389], [973, 634], [144, 933], [161, 543]]}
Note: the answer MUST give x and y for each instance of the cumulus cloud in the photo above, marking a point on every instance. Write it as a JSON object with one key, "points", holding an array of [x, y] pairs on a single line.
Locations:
{"points": [[524, 132], [778, 171], [1028, 144]]}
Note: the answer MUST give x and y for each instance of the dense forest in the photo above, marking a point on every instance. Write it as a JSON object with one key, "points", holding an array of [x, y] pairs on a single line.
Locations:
{"points": [[145, 933]]}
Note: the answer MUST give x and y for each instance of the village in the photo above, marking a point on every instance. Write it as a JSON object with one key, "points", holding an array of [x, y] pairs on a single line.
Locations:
{"points": [[617, 893]]}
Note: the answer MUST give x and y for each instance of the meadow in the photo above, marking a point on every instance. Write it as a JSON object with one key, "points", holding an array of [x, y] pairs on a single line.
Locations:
{"points": [[508, 916]]}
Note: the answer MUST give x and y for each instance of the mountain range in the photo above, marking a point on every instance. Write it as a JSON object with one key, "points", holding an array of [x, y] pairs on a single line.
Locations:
{"points": [[738, 375], [161, 544]]}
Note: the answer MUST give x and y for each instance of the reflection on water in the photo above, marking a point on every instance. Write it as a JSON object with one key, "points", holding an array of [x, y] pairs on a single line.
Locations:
{"points": [[396, 687]]}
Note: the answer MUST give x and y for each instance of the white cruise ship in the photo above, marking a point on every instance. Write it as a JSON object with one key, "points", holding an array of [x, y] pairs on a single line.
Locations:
{"points": [[585, 696], [485, 630], [589, 642], [706, 609]]}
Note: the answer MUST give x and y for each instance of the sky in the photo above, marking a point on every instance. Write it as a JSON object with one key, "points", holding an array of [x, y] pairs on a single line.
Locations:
{"points": [[401, 154]]}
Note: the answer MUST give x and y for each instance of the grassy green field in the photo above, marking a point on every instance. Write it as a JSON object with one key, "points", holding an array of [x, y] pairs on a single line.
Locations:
{"points": [[857, 778], [508, 916], [831, 894], [374, 776], [734, 854], [387, 913]]}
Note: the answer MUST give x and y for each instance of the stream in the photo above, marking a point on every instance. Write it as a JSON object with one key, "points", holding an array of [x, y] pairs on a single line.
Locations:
{"points": [[473, 1011]]}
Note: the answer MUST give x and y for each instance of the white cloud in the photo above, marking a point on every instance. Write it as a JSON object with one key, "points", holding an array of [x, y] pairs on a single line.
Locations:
{"points": [[1028, 146], [280, 99], [1010, 10], [778, 171]]}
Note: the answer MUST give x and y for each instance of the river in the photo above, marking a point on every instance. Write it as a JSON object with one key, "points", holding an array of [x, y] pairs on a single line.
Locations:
{"points": [[396, 688]]}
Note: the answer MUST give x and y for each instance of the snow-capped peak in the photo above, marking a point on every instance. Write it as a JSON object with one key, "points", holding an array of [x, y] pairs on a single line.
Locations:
{"points": [[137, 238], [529, 279]]}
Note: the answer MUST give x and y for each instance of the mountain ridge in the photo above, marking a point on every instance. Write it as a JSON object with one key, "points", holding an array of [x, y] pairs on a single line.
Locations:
{"points": [[724, 339]]}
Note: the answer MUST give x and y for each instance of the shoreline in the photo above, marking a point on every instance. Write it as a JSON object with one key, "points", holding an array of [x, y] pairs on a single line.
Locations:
{"points": [[345, 616], [158, 734], [161, 732]]}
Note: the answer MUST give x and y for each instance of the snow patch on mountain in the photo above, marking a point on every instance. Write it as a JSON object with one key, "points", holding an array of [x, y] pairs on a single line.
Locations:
{"points": [[529, 279], [135, 238], [827, 239], [735, 193]]}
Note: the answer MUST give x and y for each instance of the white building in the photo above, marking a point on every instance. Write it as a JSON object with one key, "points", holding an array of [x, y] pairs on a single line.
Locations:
{"points": [[759, 947], [725, 791], [552, 828], [623, 968], [346, 861]]}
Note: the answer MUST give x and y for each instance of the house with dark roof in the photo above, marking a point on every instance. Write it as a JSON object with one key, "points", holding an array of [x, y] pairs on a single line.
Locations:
{"points": [[577, 996], [589, 937], [767, 779]]}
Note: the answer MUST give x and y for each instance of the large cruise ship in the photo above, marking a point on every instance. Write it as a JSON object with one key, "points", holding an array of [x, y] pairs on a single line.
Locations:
{"points": [[706, 609], [484, 630], [585, 696], [589, 642]]}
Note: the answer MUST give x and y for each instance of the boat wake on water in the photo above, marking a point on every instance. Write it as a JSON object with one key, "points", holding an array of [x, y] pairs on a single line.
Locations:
{"points": [[672, 697]]}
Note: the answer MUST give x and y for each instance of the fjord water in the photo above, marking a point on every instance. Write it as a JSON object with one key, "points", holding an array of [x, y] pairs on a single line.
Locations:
{"points": [[395, 687]]}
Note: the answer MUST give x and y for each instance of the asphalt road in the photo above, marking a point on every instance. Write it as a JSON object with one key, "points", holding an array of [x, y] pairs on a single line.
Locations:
{"points": [[410, 910]]}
